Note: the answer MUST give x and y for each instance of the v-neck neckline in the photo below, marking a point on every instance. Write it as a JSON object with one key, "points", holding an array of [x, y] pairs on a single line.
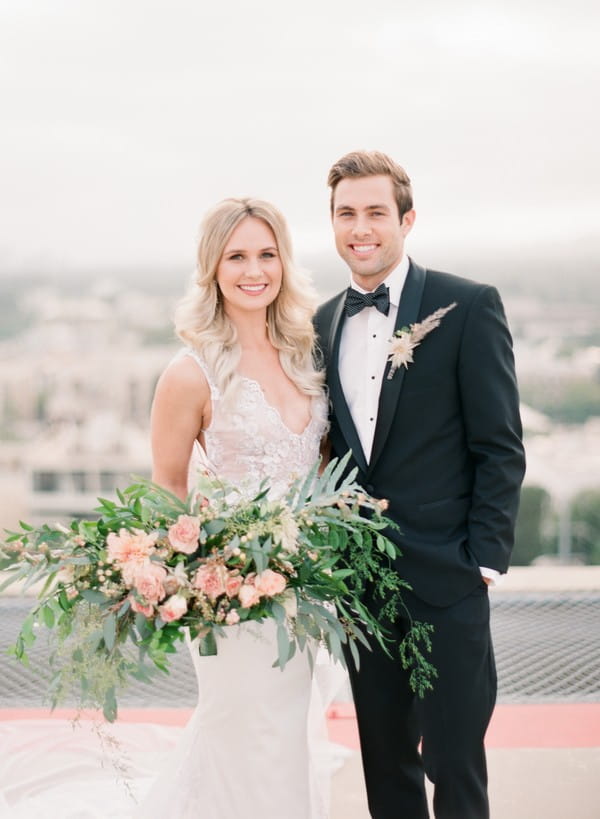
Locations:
{"points": [[260, 389]]}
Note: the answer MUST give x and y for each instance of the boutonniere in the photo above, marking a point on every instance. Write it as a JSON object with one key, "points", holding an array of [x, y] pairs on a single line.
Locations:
{"points": [[406, 339]]}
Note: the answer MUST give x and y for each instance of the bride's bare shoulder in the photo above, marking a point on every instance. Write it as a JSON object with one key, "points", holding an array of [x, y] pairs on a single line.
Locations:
{"points": [[184, 376]]}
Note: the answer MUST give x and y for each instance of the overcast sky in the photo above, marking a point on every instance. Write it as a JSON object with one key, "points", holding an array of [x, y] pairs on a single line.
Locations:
{"points": [[123, 120]]}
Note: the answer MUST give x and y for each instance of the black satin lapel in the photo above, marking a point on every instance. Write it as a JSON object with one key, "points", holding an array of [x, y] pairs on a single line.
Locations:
{"points": [[336, 393], [408, 311]]}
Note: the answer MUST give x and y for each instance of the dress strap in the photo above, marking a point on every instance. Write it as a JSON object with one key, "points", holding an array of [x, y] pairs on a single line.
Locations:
{"points": [[189, 351]]}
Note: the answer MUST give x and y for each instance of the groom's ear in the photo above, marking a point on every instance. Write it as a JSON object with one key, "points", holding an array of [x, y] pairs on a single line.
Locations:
{"points": [[407, 221]]}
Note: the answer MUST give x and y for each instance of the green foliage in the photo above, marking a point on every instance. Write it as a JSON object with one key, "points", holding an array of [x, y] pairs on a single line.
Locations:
{"points": [[421, 671], [569, 400], [585, 525], [532, 524]]}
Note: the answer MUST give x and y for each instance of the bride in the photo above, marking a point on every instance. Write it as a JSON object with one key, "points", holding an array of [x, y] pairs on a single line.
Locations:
{"points": [[243, 399]]}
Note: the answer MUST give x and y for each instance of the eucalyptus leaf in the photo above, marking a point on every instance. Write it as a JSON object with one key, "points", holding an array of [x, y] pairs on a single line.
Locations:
{"points": [[213, 527], [207, 645], [283, 645], [110, 706], [48, 616], [278, 612], [109, 631], [93, 596]]}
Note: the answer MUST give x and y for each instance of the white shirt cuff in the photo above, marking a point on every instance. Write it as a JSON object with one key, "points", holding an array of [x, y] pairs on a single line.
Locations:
{"points": [[492, 575]]}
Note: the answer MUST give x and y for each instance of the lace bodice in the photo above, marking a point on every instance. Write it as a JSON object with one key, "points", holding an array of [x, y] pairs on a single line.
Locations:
{"points": [[250, 442]]}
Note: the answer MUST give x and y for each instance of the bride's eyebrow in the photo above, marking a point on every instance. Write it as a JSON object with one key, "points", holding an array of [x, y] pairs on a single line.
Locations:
{"points": [[245, 250]]}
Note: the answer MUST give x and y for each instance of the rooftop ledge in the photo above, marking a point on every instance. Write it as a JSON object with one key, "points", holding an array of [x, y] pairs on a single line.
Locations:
{"points": [[549, 579]]}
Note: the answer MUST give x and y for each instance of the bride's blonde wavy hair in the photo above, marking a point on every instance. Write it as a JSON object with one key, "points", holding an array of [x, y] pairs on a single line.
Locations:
{"points": [[201, 321]]}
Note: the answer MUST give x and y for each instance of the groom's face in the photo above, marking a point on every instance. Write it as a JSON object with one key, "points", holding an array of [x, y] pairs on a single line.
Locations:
{"points": [[368, 233]]}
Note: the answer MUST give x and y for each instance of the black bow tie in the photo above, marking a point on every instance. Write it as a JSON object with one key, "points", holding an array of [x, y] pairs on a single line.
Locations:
{"points": [[356, 301]]}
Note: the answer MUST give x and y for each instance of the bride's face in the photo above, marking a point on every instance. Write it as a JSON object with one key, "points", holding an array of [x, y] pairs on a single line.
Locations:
{"points": [[250, 271]]}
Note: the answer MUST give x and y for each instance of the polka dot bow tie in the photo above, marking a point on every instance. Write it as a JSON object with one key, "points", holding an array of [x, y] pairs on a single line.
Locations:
{"points": [[356, 301]]}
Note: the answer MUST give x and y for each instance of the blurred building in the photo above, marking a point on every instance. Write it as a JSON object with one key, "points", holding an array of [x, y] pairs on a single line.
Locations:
{"points": [[74, 464], [75, 394]]}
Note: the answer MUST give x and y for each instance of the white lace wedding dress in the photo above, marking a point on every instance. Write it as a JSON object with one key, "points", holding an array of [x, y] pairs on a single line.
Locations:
{"points": [[249, 748], [245, 751]]}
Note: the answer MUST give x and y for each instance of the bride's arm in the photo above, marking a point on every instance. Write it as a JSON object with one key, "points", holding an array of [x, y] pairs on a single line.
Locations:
{"points": [[179, 413]]}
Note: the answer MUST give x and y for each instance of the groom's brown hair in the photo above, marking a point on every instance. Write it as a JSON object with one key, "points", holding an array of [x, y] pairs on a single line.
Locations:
{"points": [[359, 164]]}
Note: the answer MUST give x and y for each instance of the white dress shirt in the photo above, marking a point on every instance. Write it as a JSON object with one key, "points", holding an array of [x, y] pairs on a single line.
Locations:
{"points": [[364, 349]]}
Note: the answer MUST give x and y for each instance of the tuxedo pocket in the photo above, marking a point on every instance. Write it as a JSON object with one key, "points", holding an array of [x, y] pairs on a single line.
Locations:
{"points": [[461, 500]]}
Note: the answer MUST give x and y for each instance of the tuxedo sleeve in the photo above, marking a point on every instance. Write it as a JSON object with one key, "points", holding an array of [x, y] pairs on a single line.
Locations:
{"points": [[490, 406]]}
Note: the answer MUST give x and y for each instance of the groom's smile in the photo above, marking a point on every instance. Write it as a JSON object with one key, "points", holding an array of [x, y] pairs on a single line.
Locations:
{"points": [[363, 250]]}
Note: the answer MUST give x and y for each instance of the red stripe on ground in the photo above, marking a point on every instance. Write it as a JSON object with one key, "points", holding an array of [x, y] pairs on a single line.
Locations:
{"points": [[560, 725]]}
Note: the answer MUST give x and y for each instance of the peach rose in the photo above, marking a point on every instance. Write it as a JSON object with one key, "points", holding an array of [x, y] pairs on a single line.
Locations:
{"points": [[248, 595], [149, 581], [173, 608], [130, 547], [184, 533], [139, 608], [270, 583], [232, 618], [233, 585], [210, 579]]}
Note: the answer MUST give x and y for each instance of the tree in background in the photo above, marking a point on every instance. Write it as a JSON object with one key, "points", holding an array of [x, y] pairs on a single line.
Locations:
{"points": [[585, 523], [569, 400], [531, 533]]}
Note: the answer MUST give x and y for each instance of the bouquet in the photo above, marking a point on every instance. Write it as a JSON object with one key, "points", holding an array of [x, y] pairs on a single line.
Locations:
{"points": [[118, 592]]}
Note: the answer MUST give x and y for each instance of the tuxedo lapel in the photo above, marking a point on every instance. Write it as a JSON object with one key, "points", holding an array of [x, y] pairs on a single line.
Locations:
{"points": [[336, 393], [408, 311]]}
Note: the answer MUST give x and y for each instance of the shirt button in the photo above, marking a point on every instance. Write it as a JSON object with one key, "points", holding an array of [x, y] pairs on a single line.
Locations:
{"points": [[374, 335], [372, 378]]}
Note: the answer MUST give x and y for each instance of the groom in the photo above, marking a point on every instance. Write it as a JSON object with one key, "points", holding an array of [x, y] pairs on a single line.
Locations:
{"points": [[436, 432]]}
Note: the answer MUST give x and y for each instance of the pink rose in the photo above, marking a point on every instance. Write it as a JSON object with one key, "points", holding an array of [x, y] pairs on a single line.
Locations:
{"points": [[129, 572], [149, 581], [136, 606], [232, 618], [248, 595], [173, 608], [270, 583], [232, 584], [184, 534], [130, 547], [210, 579]]}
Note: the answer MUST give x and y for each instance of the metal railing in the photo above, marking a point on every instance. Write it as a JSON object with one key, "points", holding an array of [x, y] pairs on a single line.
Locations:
{"points": [[547, 647]]}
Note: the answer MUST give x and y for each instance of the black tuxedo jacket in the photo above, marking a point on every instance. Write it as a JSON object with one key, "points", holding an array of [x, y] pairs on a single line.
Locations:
{"points": [[447, 451]]}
